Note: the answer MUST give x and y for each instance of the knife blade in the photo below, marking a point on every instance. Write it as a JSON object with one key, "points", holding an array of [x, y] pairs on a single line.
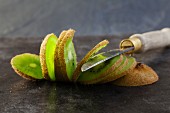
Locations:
{"points": [[108, 55], [136, 43]]}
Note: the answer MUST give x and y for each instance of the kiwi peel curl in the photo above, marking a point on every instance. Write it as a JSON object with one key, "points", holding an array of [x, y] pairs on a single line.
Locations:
{"points": [[57, 62]]}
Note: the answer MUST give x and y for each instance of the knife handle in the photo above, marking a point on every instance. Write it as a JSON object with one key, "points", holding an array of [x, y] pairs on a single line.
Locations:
{"points": [[147, 41]]}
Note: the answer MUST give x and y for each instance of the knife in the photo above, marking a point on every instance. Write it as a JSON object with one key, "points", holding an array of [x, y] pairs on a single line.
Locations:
{"points": [[136, 43]]}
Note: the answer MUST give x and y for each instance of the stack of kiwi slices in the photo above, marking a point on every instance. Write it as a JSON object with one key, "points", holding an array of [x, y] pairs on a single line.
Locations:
{"points": [[57, 62]]}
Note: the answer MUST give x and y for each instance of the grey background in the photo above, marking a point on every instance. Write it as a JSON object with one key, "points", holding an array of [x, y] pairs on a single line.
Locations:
{"points": [[26, 18], [34, 18]]}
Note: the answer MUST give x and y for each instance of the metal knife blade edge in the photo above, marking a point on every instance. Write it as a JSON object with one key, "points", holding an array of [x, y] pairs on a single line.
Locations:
{"points": [[87, 66]]}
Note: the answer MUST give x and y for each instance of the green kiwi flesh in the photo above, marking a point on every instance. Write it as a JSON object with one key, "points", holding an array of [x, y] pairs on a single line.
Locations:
{"points": [[131, 64], [98, 70], [111, 75], [49, 54], [70, 58], [60, 64], [60, 57], [98, 49], [120, 71], [87, 57], [28, 64]]}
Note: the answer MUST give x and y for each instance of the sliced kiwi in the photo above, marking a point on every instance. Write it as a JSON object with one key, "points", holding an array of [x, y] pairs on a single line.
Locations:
{"points": [[99, 46], [140, 75], [27, 65], [58, 73], [66, 51], [128, 64], [111, 75], [97, 73], [47, 51], [57, 62], [70, 58], [126, 67]]}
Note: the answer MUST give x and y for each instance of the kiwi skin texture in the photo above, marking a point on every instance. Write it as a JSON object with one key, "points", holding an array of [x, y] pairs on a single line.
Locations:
{"points": [[62, 46], [46, 54], [60, 65], [21, 73], [43, 57], [24, 75], [121, 71], [139, 76], [111, 75], [98, 47], [104, 73], [58, 72]]}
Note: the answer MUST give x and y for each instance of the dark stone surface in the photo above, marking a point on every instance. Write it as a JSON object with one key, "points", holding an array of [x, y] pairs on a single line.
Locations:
{"points": [[18, 95], [88, 17]]}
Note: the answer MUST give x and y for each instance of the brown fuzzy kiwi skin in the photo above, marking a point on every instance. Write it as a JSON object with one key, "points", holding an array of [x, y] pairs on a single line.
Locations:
{"points": [[84, 60], [111, 75], [58, 73], [104, 74], [60, 66], [112, 78], [22, 74], [68, 35], [43, 57], [139, 76]]}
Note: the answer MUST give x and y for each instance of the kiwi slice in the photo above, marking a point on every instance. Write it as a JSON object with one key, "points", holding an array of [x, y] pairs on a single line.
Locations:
{"points": [[91, 53], [58, 74], [63, 50], [128, 64], [70, 58], [66, 56], [47, 51], [97, 73], [139, 76], [27, 66], [57, 62], [112, 73]]}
